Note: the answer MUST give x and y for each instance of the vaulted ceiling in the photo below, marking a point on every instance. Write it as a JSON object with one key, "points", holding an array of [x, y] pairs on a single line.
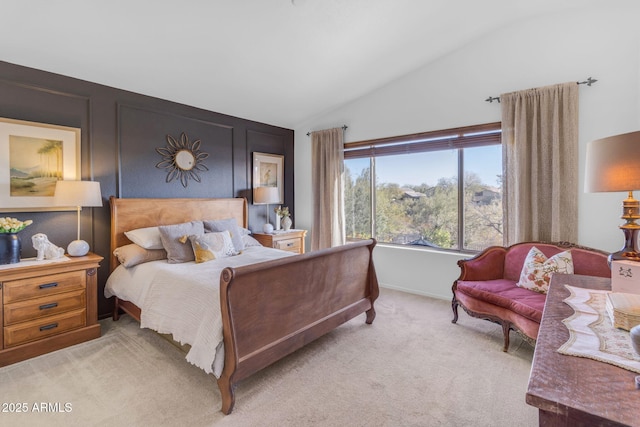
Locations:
{"points": [[276, 61]]}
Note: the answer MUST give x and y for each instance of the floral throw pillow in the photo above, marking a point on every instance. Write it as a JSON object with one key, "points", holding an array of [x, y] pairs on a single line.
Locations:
{"points": [[210, 246], [538, 269]]}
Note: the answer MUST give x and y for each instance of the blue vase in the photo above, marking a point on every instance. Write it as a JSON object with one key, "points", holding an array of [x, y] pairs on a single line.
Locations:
{"points": [[9, 248]]}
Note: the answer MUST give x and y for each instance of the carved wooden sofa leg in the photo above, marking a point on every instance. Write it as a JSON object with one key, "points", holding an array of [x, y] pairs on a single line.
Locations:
{"points": [[454, 307], [506, 327]]}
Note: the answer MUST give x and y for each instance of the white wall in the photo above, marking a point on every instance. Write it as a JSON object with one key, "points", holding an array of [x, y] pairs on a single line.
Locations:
{"points": [[603, 44]]}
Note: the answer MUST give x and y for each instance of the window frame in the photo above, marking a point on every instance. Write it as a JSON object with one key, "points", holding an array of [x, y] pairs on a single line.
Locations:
{"points": [[455, 138]]}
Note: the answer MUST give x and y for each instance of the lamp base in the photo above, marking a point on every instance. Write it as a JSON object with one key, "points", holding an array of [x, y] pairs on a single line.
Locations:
{"points": [[78, 248], [630, 250], [267, 228]]}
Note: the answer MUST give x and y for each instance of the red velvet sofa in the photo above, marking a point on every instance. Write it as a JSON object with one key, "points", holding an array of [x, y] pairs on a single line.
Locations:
{"points": [[487, 287]]}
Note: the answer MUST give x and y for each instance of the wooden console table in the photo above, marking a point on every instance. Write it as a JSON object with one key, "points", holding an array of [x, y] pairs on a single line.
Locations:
{"points": [[576, 391]]}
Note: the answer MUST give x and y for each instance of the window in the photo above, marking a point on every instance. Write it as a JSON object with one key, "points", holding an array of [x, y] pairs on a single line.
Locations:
{"points": [[438, 189]]}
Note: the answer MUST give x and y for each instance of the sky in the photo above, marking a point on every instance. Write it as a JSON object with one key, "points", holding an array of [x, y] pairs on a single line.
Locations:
{"points": [[416, 169]]}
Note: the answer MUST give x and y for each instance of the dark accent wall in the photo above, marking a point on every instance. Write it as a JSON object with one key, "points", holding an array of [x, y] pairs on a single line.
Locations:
{"points": [[120, 131]]}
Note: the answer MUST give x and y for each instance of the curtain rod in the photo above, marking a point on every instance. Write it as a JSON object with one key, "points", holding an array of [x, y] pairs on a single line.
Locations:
{"points": [[344, 127], [587, 82]]}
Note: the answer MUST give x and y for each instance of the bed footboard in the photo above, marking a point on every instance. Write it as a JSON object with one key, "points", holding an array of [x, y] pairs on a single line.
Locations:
{"points": [[271, 309]]}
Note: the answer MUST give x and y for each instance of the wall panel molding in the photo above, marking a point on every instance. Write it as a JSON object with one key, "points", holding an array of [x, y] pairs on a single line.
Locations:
{"points": [[120, 131]]}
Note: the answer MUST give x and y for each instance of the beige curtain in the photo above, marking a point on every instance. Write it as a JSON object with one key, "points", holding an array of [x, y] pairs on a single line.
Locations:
{"points": [[328, 212], [540, 161]]}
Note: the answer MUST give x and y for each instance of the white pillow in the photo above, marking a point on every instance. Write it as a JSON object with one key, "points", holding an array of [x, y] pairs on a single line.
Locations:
{"points": [[226, 224], [537, 269], [148, 238], [249, 241]]}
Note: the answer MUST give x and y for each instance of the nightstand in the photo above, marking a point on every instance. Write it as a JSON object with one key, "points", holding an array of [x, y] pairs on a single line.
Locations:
{"points": [[292, 240], [47, 305]]}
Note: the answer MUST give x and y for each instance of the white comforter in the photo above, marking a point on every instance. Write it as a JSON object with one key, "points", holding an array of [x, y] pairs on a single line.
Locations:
{"points": [[184, 300]]}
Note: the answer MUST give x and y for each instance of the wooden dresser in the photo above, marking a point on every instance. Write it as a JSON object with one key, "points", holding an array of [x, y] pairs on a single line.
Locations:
{"points": [[292, 241], [47, 306], [576, 391]]}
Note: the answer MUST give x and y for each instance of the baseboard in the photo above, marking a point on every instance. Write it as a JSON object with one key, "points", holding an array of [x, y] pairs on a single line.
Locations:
{"points": [[413, 291]]}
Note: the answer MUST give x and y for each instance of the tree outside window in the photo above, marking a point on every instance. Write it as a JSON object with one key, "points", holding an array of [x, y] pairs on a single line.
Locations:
{"points": [[419, 198]]}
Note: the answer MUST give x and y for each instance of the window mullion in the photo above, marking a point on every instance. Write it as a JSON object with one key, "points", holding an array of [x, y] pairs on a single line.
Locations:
{"points": [[372, 179], [461, 199]]}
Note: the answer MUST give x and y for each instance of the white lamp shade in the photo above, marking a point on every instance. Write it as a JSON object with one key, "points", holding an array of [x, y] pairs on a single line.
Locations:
{"points": [[613, 163], [266, 195], [78, 193]]}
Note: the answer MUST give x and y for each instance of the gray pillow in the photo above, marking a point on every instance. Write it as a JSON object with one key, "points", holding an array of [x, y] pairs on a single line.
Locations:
{"points": [[228, 224], [175, 240]]}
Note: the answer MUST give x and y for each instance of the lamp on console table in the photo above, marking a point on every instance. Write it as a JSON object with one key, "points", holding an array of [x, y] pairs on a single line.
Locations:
{"points": [[613, 164], [266, 195], [78, 194]]}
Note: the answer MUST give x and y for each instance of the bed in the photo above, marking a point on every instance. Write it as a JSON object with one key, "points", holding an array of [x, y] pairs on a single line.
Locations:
{"points": [[267, 309]]}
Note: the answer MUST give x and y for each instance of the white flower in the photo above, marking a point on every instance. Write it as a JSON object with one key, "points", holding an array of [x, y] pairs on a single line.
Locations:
{"points": [[13, 225]]}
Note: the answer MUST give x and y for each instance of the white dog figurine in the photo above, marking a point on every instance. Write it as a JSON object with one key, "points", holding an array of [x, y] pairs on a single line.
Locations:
{"points": [[46, 249]]}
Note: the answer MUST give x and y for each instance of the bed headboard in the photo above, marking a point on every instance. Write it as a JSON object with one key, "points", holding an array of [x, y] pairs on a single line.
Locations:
{"points": [[129, 214]]}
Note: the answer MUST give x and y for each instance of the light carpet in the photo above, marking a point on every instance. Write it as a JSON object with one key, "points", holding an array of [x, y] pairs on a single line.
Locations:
{"points": [[411, 367]]}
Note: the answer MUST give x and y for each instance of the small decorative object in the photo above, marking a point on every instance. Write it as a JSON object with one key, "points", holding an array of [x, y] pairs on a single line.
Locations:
{"points": [[44, 248], [281, 214], [635, 338], [10, 244], [625, 276], [286, 223], [182, 159]]}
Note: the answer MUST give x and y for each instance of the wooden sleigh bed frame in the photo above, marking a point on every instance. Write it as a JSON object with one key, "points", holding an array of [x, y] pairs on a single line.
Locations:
{"points": [[269, 309]]}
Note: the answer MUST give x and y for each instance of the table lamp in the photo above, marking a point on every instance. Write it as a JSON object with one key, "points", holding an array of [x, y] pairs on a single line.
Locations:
{"points": [[613, 164], [266, 195], [78, 194]]}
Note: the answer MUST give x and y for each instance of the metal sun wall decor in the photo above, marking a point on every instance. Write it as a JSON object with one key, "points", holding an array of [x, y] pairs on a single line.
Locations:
{"points": [[182, 159]]}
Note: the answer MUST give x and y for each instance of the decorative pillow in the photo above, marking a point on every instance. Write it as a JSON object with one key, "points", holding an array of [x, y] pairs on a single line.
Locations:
{"points": [[229, 224], [148, 237], [537, 269], [175, 240], [132, 255], [250, 241], [210, 246]]}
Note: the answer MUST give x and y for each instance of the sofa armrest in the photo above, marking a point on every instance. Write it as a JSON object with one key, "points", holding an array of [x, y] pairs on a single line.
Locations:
{"points": [[487, 265]]}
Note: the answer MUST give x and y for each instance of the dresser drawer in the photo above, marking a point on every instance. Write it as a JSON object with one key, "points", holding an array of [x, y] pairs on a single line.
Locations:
{"points": [[42, 328], [35, 287], [292, 245], [36, 308]]}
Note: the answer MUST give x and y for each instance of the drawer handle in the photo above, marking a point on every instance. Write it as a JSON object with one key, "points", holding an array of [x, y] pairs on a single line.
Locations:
{"points": [[48, 285], [47, 327], [46, 306], [289, 245]]}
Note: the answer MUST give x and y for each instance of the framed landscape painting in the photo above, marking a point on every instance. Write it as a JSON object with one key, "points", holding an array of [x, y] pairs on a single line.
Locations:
{"points": [[33, 157]]}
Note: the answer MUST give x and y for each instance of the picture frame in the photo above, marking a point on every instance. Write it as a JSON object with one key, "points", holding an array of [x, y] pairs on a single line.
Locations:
{"points": [[268, 171], [33, 156]]}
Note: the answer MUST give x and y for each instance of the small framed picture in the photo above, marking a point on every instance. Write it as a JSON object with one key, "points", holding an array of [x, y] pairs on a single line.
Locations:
{"points": [[33, 157], [268, 171]]}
